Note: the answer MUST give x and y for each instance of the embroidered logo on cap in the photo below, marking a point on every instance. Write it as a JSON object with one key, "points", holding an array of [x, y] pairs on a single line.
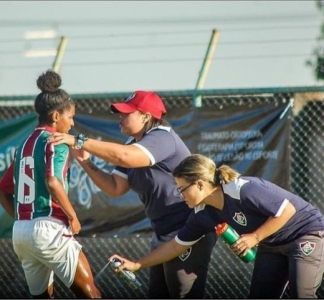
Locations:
{"points": [[130, 97], [307, 247], [240, 218], [184, 255]]}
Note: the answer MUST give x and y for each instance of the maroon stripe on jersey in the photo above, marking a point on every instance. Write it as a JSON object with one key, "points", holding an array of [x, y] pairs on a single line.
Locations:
{"points": [[49, 158], [25, 211]]}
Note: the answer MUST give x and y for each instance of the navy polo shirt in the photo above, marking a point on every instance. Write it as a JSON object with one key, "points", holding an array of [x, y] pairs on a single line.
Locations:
{"points": [[155, 184], [249, 202]]}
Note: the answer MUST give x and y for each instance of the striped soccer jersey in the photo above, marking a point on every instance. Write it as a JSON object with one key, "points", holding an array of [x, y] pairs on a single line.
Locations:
{"points": [[35, 160]]}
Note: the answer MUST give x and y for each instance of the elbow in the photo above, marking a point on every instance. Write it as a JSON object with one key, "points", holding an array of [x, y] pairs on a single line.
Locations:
{"points": [[132, 157], [125, 161], [111, 187], [287, 210], [178, 249], [51, 183], [291, 210], [113, 193]]}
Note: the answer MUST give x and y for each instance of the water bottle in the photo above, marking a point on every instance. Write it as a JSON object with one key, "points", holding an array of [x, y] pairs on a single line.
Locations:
{"points": [[128, 276], [230, 236]]}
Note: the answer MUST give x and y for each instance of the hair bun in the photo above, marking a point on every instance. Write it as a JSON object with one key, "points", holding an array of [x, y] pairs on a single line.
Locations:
{"points": [[49, 82]]}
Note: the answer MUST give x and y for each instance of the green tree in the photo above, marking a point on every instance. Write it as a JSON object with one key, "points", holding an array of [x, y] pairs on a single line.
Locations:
{"points": [[318, 62]]}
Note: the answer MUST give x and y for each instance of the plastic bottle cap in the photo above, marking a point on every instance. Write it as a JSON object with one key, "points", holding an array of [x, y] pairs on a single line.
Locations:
{"points": [[221, 228]]}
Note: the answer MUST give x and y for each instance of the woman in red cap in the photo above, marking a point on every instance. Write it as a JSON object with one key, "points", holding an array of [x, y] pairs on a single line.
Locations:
{"points": [[145, 164]]}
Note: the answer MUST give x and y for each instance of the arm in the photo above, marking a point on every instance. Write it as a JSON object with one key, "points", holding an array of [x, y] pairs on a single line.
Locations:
{"points": [[272, 225], [7, 191], [163, 253], [112, 185], [6, 200], [58, 193], [127, 156]]}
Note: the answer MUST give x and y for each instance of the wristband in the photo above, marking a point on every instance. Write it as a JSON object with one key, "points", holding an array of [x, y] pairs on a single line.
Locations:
{"points": [[80, 139]]}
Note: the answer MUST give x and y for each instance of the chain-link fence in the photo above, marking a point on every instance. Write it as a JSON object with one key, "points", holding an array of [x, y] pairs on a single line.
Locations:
{"points": [[307, 147]]}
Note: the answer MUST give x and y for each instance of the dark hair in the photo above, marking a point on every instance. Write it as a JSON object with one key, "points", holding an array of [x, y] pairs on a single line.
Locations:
{"points": [[153, 122], [51, 98]]}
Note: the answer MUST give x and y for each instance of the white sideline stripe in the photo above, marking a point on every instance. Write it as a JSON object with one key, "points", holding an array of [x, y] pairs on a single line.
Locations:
{"points": [[17, 103]]}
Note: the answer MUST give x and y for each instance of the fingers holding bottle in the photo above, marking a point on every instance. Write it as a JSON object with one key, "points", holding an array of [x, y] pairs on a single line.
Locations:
{"points": [[242, 246], [121, 263]]}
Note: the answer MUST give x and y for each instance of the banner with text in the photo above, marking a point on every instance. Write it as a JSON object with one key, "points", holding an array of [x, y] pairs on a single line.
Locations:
{"points": [[253, 140]]}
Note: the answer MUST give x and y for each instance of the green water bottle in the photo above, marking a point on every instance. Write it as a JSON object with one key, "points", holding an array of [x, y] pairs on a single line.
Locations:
{"points": [[230, 236]]}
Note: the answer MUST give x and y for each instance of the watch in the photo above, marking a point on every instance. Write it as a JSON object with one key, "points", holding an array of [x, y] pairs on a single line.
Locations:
{"points": [[80, 139]]}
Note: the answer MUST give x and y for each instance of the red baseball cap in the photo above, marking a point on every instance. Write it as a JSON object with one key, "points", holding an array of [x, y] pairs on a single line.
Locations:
{"points": [[144, 101]]}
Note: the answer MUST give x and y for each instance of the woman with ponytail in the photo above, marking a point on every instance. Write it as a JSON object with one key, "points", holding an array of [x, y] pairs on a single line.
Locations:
{"points": [[287, 230]]}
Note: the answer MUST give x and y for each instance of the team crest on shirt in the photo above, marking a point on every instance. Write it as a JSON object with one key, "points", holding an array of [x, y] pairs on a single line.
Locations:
{"points": [[240, 219], [130, 97], [307, 247], [184, 255]]}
